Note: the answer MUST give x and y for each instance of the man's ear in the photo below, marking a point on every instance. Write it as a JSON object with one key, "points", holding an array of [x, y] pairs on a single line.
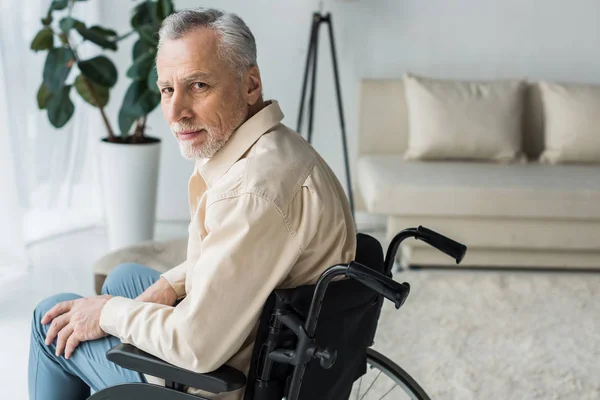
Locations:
{"points": [[253, 87]]}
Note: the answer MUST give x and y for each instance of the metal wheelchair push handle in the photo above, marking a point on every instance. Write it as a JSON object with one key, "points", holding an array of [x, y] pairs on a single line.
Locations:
{"points": [[442, 243], [394, 291]]}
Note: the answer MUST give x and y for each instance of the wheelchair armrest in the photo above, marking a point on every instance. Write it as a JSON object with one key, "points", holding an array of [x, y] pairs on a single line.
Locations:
{"points": [[224, 379]]}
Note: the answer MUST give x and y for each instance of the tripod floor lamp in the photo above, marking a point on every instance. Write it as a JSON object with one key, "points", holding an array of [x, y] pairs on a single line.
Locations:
{"points": [[311, 67]]}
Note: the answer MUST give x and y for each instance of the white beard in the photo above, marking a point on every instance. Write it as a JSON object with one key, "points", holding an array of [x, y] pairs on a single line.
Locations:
{"points": [[208, 149], [214, 141]]}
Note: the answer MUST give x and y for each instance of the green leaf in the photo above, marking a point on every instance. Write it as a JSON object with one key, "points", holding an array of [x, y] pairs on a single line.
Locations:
{"points": [[100, 92], [96, 37], [107, 33], [59, 4], [43, 40], [140, 47], [138, 101], [60, 107], [141, 67], [142, 15], [148, 35], [125, 121], [151, 81], [57, 67], [43, 96], [47, 20], [100, 70], [68, 23], [64, 38], [164, 8]]}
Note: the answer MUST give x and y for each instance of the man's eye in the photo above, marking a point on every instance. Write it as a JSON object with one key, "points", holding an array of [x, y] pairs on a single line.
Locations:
{"points": [[199, 85], [166, 90]]}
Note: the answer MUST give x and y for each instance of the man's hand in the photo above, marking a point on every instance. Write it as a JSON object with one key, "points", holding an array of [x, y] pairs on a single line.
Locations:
{"points": [[161, 292], [74, 322]]}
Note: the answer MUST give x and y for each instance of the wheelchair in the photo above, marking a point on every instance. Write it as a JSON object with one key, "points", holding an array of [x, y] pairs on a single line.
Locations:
{"points": [[308, 346]]}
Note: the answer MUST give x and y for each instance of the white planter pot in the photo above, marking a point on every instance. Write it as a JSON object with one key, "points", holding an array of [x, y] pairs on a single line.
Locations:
{"points": [[129, 185]]}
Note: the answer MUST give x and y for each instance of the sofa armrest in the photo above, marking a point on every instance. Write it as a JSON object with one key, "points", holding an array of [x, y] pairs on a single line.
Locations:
{"points": [[224, 379]]}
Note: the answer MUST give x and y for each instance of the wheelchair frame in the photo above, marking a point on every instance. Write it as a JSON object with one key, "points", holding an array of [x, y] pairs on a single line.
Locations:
{"points": [[396, 292]]}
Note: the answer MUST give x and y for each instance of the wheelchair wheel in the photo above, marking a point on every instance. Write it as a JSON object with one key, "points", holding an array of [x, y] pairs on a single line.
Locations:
{"points": [[385, 380]]}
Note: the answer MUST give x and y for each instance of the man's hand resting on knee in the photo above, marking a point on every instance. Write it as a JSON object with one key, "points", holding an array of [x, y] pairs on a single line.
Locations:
{"points": [[73, 322], [78, 320], [161, 292]]}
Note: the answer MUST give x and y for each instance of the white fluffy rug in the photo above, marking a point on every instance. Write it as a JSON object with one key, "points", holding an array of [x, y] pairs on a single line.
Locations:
{"points": [[467, 334]]}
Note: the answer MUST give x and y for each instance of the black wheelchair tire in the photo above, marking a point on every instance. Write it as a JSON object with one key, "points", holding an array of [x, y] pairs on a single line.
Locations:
{"points": [[396, 373]]}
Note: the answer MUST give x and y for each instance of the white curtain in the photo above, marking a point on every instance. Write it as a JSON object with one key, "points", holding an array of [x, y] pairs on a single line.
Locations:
{"points": [[12, 244], [48, 181]]}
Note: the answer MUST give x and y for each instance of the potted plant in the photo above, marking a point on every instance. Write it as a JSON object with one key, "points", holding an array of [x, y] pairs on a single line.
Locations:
{"points": [[129, 158]]}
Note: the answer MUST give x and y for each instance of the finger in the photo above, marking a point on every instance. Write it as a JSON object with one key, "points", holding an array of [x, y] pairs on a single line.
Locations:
{"points": [[59, 309], [72, 344], [56, 326], [62, 338]]}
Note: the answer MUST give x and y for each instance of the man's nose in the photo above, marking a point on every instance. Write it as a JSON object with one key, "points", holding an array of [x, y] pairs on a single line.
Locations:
{"points": [[179, 108]]}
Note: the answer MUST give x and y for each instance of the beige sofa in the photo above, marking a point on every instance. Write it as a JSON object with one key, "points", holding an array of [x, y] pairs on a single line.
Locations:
{"points": [[509, 215]]}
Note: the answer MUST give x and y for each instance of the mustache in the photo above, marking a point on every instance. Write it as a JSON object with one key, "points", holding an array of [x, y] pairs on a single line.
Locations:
{"points": [[183, 127]]}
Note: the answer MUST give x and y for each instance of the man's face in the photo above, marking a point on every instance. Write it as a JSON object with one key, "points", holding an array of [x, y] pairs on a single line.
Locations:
{"points": [[202, 97]]}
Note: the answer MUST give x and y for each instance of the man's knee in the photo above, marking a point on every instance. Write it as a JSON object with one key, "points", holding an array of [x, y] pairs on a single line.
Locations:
{"points": [[120, 276], [44, 306]]}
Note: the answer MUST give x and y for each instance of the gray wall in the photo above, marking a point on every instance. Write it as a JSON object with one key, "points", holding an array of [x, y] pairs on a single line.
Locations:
{"points": [[463, 39]]}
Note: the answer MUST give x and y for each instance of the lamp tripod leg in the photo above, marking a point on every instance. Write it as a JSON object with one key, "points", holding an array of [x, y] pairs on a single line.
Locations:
{"points": [[313, 83], [341, 114], [309, 54], [311, 67]]}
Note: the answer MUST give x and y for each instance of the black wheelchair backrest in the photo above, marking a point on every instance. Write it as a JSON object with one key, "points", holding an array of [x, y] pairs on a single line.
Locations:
{"points": [[346, 325]]}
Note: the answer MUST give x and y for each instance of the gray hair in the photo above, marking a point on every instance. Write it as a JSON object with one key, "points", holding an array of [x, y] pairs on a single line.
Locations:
{"points": [[236, 46]]}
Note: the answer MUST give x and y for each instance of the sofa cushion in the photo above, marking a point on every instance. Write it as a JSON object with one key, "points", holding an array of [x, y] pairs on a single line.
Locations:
{"points": [[464, 120], [391, 185], [572, 123]]}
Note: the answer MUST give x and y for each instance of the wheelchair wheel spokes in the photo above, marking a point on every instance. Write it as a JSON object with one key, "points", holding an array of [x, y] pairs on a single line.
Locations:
{"points": [[375, 385], [385, 380]]}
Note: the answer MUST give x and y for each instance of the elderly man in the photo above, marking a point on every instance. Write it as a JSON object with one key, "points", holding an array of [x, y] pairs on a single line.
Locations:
{"points": [[266, 212]]}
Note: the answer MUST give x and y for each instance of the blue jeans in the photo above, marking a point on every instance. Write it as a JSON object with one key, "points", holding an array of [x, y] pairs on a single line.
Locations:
{"points": [[55, 378]]}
